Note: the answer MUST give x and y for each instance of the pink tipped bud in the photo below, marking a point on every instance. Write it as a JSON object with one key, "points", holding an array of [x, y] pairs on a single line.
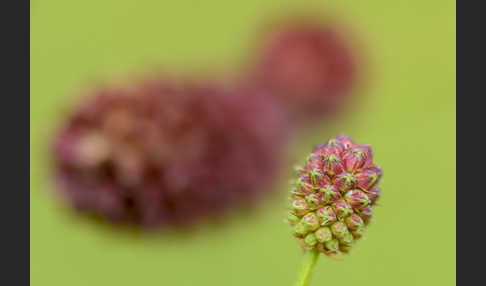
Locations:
{"points": [[339, 229], [342, 208], [368, 152], [314, 162], [354, 222], [326, 215], [292, 218], [365, 213], [354, 159], [310, 239], [374, 193], [303, 186], [300, 229], [313, 201], [311, 221], [299, 205], [335, 146], [357, 199], [345, 181], [332, 246], [330, 193], [323, 234], [332, 164], [368, 177], [345, 141], [318, 178]]}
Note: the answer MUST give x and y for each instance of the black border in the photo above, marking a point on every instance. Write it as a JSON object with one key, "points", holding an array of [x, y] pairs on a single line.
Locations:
{"points": [[15, 122]]}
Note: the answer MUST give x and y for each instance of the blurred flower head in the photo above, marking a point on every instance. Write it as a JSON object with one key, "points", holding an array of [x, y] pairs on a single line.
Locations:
{"points": [[308, 64], [168, 153]]}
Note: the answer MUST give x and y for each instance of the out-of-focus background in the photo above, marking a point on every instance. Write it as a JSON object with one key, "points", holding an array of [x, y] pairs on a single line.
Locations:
{"points": [[408, 115]]}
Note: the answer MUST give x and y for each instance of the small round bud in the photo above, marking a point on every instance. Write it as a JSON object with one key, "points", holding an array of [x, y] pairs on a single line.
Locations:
{"points": [[332, 164], [365, 213], [354, 159], [357, 199], [339, 229], [345, 141], [330, 193], [317, 177], [366, 149], [299, 205], [303, 186], [323, 234], [300, 229], [344, 182], [342, 208], [347, 239], [292, 218], [313, 201], [358, 233], [310, 239], [332, 245], [374, 193], [326, 215], [354, 222], [311, 221], [314, 162], [367, 178]]}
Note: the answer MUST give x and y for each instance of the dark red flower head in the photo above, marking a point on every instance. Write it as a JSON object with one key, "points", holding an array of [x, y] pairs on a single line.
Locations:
{"points": [[161, 153], [308, 65]]}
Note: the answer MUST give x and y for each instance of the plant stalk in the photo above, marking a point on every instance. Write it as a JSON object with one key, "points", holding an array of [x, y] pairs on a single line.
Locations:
{"points": [[310, 259]]}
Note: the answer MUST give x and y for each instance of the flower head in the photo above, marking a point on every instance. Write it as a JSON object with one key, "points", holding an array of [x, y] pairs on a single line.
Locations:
{"points": [[331, 217], [309, 66], [168, 153]]}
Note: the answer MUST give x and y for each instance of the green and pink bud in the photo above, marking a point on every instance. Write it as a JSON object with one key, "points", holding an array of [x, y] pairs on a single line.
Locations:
{"points": [[299, 205], [367, 178], [354, 159], [345, 141], [344, 182], [354, 222], [313, 201], [357, 199], [326, 215], [339, 229], [332, 164], [310, 221], [323, 234], [330, 193], [374, 193], [342, 208]]}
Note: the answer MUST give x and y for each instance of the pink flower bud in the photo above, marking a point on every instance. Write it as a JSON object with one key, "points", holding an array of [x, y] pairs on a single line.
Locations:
{"points": [[330, 193], [367, 178], [332, 164], [345, 141], [326, 215], [374, 194], [354, 159], [342, 208], [313, 200], [354, 222], [357, 199], [344, 182]]}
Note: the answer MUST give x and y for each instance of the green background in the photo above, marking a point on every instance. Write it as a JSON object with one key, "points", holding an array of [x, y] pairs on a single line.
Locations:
{"points": [[408, 115]]}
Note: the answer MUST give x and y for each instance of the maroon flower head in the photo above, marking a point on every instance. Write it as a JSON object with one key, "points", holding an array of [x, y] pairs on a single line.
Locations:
{"points": [[342, 206], [309, 66], [167, 153]]}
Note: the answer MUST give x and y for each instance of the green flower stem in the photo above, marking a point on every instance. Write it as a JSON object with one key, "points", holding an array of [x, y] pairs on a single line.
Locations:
{"points": [[310, 259]]}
